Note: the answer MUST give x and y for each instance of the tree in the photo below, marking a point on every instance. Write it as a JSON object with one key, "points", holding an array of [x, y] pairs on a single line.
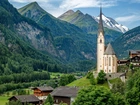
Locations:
{"points": [[118, 87], [90, 76], [132, 94], [94, 95], [119, 99], [49, 100], [66, 79], [101, 77]]}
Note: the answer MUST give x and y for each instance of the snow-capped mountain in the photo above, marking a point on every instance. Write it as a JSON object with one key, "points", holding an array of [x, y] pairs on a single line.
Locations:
{"points": [[112, 24]]}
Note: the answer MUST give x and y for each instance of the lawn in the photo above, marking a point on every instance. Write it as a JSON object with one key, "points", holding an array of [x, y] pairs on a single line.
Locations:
{"points": [[3, 100], [84, 82], [80, 82]]}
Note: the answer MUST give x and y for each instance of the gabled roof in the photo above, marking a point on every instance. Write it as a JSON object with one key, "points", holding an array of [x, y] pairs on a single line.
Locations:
{"points": [[134, 52], [26, 98], [109, 50], [44, 88], [65, 91]]}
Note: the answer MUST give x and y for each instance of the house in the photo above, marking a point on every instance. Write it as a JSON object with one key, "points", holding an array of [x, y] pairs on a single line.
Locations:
{"points": [[135, 61], [32, 99], [42, 92], [133, 53], [64, 94]]}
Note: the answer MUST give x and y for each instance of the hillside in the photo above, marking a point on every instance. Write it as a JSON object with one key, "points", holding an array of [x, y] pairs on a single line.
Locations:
{"points": [[72, 43], [18, 53], [88, 24], [128, 41]]}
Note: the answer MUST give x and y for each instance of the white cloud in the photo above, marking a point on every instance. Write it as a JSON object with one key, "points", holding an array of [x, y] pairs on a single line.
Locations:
{"points": [[128, 18], [71, 4]]}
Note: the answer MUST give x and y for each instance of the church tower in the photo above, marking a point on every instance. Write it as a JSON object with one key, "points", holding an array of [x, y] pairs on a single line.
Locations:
{"points": [[100, 45]]}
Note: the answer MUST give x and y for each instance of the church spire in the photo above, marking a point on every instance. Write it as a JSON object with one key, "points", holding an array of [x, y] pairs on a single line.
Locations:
{"points": [[101, 22]]}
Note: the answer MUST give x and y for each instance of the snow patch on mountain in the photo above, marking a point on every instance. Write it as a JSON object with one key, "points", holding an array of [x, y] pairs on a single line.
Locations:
{"points": [[112, 24]]}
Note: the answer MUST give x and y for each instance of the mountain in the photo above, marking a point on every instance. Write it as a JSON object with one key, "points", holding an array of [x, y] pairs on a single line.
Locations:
{"points": [[71, 42], [128, 41], [19, 40], [88, 24], [112, 24]]}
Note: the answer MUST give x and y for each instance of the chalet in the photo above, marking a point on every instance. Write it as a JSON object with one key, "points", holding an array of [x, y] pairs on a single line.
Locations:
{"points": [[135, 61], [26, 99], [64, 94], [134, 53], [42, 92], [122, 62]]}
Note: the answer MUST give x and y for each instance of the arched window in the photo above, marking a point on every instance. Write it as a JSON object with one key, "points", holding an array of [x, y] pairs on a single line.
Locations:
{"points": [[100, 40], [109, 61]]}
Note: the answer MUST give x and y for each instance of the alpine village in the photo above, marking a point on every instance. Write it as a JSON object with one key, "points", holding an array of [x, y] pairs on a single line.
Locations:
{"points": [[74, 59]]}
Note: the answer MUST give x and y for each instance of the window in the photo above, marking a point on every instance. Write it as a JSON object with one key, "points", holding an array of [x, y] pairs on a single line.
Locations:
{"points": [[109, 61], [100, 40]]}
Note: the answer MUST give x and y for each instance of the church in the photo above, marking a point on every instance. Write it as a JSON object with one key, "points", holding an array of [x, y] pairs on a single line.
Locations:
{"points": [[106, 57]]}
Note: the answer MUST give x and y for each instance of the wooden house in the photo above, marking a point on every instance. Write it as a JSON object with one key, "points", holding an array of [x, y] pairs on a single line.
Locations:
{"points": [[42, 91], [135, 61], [26, 99], [64, 94], [133, 53]]}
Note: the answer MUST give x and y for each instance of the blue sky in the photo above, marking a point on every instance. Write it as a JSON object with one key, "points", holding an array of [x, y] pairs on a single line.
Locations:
{"points": [[126, 12]]}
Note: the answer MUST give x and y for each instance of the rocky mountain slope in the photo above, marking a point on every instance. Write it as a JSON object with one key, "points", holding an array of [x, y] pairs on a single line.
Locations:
{"points": [[71, 42], [112, 24], [128, 41], [88, 24], [19, 38]]}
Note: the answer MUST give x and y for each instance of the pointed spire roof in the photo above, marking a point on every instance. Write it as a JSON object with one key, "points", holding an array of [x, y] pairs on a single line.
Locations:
{"points": [[101, 22], [109, 50]]}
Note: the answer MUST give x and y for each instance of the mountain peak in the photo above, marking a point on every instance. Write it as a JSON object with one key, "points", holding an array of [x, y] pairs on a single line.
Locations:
{"points": [[112, 24], [68, 13], [78, 11]]}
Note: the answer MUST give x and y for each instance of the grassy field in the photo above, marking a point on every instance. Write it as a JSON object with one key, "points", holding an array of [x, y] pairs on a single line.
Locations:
{"points": [[3, 100], [80, 82], [84, 82]]}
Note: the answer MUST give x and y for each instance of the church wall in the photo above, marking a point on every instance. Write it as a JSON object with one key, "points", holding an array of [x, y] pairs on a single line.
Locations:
{"points": [[110, 64]]}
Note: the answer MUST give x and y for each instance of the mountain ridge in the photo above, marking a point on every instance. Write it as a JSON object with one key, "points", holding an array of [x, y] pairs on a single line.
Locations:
{"points": [[64, 34], [112, 24]]}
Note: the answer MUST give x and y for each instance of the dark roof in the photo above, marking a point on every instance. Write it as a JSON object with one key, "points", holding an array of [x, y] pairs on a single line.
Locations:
{"points": [[101, 22], [134, 52], [44, 88], [109, 50], [26, 98], [65, 91]]}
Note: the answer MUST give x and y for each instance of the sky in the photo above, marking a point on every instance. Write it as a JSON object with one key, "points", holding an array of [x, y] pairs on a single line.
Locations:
{"points": [[125, 12]]}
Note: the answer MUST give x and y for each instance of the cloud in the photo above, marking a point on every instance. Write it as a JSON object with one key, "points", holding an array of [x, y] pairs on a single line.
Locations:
{"points": [[71, 4], [130, 18]]}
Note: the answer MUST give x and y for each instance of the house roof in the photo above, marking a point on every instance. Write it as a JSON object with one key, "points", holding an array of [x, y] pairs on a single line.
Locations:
{"points": [[65, 91], [44, 88], [109, 50], [134, 52], [26, 98]]}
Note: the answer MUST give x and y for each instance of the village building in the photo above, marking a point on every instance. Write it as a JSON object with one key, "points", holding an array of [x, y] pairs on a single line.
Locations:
{"points": [[64, 94], [42, 92], [24, 99], [106, 57]]}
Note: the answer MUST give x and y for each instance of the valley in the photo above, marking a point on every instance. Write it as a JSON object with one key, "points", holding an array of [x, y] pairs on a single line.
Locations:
{"points": [[38, 49]]}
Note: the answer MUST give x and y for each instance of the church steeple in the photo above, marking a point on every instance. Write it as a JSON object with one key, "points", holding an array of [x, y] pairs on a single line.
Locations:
{"points": [[100, 29], [100, 44]]}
